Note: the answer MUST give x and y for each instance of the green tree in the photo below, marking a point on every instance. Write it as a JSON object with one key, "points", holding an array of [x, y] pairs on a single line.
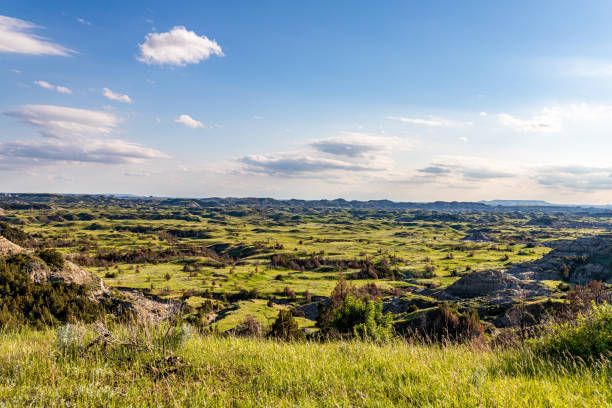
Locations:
{"points": [[363, 319], [286, 328]]}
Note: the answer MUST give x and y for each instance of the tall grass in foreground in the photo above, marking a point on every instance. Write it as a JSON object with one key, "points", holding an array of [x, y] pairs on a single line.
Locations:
{"points": [[216, 371]]}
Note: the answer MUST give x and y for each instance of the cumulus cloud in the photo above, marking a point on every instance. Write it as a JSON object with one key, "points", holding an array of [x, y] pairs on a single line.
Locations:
{"points": [[177, 47], [60, 89], [72, 136], [552, 119], [189, 121], [115, 96], [16, 37], [60, 121], [431, 121]]}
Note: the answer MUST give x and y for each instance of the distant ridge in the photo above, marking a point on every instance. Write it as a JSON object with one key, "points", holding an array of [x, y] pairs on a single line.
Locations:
{"points": [[518, 203], [19, 201]]}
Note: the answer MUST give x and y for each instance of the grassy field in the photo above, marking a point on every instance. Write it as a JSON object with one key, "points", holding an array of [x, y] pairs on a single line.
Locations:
{"points": [[423, 248], [228, 263], [234, 372]]}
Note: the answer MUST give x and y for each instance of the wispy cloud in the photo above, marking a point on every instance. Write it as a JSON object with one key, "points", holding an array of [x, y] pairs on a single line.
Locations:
{"points": [[177, 47], [112, 151], [431, 121], [353, 144], [189, 121], [115, 96], [552, 119], [292, 164], [464, 171], [83, 21], [72, 136], [59, 121], [353, 153], [16, 37], [575, 177], [47, 85]]}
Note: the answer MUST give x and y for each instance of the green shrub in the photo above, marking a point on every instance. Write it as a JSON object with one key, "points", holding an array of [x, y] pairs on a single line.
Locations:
{"points": [[362, 319], [22, 301], [445, 323], [13, 234], [589, 336], [52, 257], [286, 328]]}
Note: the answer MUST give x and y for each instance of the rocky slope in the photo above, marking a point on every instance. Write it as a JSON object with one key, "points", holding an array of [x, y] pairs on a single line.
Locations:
{"points": [[121, 302], [577, 261]]}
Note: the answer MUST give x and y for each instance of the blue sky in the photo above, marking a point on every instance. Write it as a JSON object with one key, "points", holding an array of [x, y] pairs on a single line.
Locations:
{"points": [[403, 100]]}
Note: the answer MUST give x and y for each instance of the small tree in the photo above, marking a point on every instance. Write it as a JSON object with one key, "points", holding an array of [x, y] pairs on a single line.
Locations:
{"points": [[286, 328], [341, 291], [363, 319]]}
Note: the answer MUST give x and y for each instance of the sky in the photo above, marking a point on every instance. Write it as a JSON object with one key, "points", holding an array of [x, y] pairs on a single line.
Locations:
{"points": [[400, 100]]}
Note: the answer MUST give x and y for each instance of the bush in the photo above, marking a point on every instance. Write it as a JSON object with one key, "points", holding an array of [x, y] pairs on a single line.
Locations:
{"points": [[52, 257], [362, 319], [22, 301], [588, 337], [286, 328], [445, 323], [14, 235], [250, 327], [289, 293]]}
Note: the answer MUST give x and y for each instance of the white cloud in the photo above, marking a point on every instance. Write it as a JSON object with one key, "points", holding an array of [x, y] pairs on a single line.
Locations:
{"points": [[575, 177], [350, 154], [583, 67], [464, 139], [552, 119], [44, 151], [46, 85], [60, 121], [177, 47], [115, 96], [546, 122], [15, 37], [483, 114], [294, 164], [431, 121], [83, 21], [189, 121], [353, 144], [73, 136], [464, 171]]}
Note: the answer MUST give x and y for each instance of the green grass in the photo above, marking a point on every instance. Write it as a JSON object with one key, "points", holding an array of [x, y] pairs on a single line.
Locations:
{"points": [[231, 372], [417, 244]]}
